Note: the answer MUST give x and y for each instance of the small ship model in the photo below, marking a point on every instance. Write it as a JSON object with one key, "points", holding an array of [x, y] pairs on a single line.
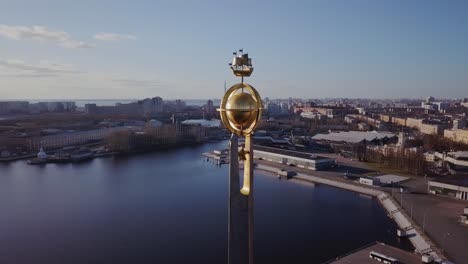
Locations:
{"points": [[241, 64]]}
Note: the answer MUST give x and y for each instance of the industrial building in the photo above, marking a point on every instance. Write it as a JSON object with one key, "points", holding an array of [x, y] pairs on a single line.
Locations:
{"points": [[354, 137], [464, 216], [456, 161], [458, 135], [328, 111], [383, 180], [145, 107], [371, 181], [203, 122], [453, 186], [293, 158], [14, 107], [76, 138]]}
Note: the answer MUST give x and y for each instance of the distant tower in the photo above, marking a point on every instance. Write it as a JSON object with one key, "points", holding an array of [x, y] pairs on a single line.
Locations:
{"points": [[430, 100], [209, 109]]}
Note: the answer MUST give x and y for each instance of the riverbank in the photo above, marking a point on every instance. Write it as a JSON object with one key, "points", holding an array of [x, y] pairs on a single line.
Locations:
{"points": [[31, 157], [165, 201], [15, 158], [423, 245]]}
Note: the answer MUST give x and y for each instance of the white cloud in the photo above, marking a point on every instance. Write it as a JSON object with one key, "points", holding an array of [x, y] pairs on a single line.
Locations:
{"points": [[41, 33], [72, 44], [44, 68], [106, 36]]}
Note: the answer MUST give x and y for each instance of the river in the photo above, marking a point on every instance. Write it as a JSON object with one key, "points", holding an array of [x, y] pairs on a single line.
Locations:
{"points": [[171, 207]]}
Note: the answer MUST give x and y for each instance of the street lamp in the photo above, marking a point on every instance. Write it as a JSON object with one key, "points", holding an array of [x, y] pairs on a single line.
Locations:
{"points": [[424, 221], [401, 199], [412, 205]]}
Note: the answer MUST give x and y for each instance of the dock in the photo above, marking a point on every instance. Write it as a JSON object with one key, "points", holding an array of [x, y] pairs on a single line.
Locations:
{"points": [[217, 156]]}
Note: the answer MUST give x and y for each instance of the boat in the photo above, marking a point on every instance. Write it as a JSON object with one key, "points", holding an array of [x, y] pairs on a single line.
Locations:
{"points": [[40, 159]]}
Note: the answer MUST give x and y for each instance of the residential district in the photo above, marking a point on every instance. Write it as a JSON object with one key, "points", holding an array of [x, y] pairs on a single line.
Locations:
{"points": [[412, 155]]}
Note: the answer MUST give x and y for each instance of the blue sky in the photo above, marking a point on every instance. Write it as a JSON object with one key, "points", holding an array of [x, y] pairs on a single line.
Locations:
{"points": [[180, 49]]}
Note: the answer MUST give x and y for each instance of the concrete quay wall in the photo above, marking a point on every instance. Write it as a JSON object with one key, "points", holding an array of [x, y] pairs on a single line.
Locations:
{"points": [[421, 244]]}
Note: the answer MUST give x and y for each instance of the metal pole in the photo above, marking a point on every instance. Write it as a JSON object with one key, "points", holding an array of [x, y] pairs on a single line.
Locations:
{"points": [[424, 221], [412, 205], [250, 203], [401, 199], [237, 211]]}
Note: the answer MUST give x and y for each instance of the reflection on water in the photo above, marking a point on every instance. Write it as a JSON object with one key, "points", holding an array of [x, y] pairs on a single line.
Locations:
{"points": [[170, 207]]}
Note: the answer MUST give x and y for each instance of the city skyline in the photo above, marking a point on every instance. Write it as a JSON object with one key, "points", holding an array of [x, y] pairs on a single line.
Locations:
{"points": [[139, 131], [88, 50]]}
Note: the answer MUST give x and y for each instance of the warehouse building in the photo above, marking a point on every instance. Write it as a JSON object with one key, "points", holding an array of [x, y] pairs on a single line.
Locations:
{"points": [[355, 137], [457, 160], [293, 158], [454, 186]]}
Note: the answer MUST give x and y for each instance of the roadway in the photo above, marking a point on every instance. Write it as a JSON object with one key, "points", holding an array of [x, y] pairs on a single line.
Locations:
{"points": [[438, 216]]}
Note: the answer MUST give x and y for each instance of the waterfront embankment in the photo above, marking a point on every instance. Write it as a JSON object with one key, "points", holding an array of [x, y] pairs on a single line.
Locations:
{"points": [[422, 244]]}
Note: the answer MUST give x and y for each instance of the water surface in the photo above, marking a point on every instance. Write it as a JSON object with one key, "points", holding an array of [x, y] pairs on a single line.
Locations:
{"points": [[170, 207]]}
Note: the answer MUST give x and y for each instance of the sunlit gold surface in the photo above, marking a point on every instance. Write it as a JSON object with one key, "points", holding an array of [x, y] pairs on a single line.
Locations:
{"points": [[241, 109], [247, 165], [242, 72]]}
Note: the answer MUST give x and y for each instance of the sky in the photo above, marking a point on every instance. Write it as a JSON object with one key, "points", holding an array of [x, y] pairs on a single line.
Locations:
{"points": [[181, 49]]}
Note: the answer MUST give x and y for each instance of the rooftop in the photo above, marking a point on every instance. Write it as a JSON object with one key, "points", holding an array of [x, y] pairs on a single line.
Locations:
{"points": [[459, 154], [203, 122], [353, 136], [298, 154], [457, 180], [389, 178]]}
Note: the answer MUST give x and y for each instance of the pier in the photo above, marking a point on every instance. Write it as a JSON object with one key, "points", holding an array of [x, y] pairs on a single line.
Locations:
{"points": [[217, 156]]}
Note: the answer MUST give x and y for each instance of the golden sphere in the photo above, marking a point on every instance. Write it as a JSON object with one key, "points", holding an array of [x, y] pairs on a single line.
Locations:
{"points": [[241, 110]]}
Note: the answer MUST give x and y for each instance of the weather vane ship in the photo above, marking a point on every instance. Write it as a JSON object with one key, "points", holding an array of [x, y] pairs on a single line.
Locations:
{"points": [[241, 64]]}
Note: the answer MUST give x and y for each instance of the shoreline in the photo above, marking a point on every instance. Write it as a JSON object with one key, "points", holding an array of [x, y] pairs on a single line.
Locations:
{"points": [[106, 154], [422, 243]]}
